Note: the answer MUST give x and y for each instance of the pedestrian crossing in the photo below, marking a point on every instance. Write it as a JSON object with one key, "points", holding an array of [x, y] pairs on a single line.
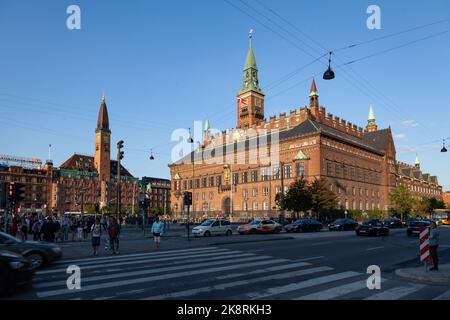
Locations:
{"points": [[215, 273]]}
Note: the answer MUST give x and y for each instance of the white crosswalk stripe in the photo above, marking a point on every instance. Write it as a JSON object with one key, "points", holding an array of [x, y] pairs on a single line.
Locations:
{"points": [[395, 293], [443, 296], [212, 272]]}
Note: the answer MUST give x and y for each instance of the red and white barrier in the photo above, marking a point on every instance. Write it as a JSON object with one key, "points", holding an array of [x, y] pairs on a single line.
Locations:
{"points": [[424, 244]]}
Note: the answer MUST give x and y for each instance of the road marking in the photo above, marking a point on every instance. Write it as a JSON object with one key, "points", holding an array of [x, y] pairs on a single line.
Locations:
{"points": [[395, 293], [310, 258], [301, 285], [155, 259], [374, 248], [222, 260], [115, 284], [192, 292], [134, 255], [276, 268], [444, 296], [321, 243]]}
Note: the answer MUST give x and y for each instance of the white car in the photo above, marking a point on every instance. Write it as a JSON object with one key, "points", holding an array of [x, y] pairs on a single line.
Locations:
{"points": [[213, 227]]}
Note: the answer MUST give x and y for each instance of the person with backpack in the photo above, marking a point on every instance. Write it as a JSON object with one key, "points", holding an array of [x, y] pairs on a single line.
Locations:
{"points": [[157, 230], [96, 231], [48, 230], [36, 229], [113, 233], [23, 230]]}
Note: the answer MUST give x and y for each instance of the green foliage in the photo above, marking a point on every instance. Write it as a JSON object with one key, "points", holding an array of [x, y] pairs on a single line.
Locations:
{"points": [[375, 214], [89, 209], [297, 199], [402, 199], [322, 197]]}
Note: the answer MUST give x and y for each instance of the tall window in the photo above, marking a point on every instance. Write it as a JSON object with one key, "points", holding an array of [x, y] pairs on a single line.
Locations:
{"points": [[197, 183], [245, 193], [255, 192], [245, 177], [204, 180], [203, 195], [235, 178], [299, 169], [276, 172], [190, 184], [184, 185], [245, 206], [287, 172], [255, 205], [265, 174], [265, 191], [265, 206], [211, 181], [211, 195], [219, 181], [254, 175]]}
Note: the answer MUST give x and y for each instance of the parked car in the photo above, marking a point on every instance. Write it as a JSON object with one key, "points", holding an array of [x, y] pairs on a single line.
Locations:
{"points": [[260, 226], [304, 225], [414, 227], [372, 227], [39, 253], [393, 223], [342, 225], [213, 227], [15, 271]]}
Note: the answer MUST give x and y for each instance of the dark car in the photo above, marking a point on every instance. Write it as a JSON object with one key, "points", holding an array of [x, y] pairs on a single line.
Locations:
{"points": [[15, 271], [414, 227], [393, 223], [372, 227], [304, 225], [410, 220], [37, 252], [342, 225]]}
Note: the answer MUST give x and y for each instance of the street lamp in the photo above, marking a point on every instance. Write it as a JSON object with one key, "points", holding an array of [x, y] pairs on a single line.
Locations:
{"points": [[151, 155], [190, 140], [444, 149], [329, 74]]}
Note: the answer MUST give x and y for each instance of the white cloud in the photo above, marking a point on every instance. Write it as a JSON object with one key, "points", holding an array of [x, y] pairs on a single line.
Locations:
{"points": [[400, 136], [410, 123]]}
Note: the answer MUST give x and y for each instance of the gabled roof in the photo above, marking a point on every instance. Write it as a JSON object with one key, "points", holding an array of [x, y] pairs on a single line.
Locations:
{"points": [[377, 139], [85, 163]]}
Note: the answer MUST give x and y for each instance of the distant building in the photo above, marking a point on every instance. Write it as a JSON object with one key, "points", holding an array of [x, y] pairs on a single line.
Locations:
{"points": [[157, 194], [446, 198]]}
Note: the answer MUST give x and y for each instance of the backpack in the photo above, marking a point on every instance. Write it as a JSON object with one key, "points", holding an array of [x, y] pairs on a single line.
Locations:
{"points": [[113, 231]]}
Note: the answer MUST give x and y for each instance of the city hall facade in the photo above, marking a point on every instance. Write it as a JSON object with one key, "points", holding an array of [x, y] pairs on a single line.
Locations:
{"points": [[358, 163]]}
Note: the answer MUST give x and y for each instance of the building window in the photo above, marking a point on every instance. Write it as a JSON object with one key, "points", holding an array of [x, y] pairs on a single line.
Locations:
{"points": [[197, 183], [265, 174], [235, 178], [254, 175], [211, 195], [255, 205], [300, 169], [190, 184], [211, 181], [204, 181], [276, 172], [265, 206], [196, 196], [219, 181], [354, 191], [287, 172], [245, 206], [184, 185], [255, 192], [245, 193], [203, 195], [277, 190], [265, 191], [245, 177]]}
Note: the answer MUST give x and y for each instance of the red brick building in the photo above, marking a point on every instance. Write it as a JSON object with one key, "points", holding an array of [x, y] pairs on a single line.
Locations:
{"points": [[359, 164]]}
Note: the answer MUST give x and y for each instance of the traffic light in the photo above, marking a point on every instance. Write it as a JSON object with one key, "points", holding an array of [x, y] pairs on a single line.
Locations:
{"points": [[3, 192], [119, 150], [120, 156], [19, 192], [187, 198], [11, 192]]}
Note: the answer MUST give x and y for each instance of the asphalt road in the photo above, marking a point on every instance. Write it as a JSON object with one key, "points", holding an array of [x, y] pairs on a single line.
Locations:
{"points": [[324, 265]]}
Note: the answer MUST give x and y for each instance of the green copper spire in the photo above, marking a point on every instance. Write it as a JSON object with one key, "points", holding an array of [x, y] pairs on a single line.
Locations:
{"points": [[251, 82], [207, 126], [417, 162], [371, 114]]}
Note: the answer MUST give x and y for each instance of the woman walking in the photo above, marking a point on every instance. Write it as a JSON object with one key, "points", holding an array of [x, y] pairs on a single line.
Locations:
{"points": [[96, 231], [434, 243], [157, 230]]}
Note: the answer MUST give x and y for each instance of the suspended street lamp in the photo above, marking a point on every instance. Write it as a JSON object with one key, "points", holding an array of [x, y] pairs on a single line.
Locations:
{"points": [[329, 74], [151, 155], [444, 149], [190, 140]]}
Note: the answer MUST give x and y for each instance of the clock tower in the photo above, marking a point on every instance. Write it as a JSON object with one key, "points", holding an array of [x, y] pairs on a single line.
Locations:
{"points": [[102, 156], [250, 99]]}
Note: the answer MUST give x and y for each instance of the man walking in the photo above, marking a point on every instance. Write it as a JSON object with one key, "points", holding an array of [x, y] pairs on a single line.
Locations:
{"points": [[434, 243], [113, 232], [157, 230], [96, 231]]}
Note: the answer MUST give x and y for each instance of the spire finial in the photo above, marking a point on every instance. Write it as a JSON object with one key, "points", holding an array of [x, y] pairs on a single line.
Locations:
{"points": [[103, 97], [250, 34], [417, 162]]}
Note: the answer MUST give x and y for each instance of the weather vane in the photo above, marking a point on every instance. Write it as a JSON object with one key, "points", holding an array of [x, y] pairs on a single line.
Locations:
{"points": [[250, 36]]}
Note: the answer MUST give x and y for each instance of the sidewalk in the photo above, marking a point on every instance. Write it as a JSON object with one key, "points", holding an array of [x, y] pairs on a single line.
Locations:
{"points": [[442, 276]]}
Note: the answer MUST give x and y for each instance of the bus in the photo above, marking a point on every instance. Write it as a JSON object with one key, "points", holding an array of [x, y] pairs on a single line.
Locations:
{"points": [[442, 215]]}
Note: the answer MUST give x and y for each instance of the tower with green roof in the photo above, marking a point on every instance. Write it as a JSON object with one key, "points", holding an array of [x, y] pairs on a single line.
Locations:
{"points": [[250, 99], [371, 124]]}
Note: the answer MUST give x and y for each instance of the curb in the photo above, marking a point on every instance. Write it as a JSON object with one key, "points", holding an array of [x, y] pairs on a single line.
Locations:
{"points": [[440, 277]]}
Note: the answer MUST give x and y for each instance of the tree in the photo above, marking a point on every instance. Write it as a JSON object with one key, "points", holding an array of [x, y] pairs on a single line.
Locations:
{"points": [[322, 197], [297, 199], [90, 209], [402, 199], [428, 205]]}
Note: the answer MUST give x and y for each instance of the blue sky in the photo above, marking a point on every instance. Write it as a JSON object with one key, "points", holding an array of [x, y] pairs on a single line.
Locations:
{"points": [[165, 64]]}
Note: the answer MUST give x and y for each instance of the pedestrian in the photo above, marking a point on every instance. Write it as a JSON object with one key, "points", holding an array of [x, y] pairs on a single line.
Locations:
{"points": [[36, 229], [434, 243], [157, 230], [79, 231], [24, 231], [48, 230], [85, 229], [96, 231], [113, 233], [65, 227]]}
